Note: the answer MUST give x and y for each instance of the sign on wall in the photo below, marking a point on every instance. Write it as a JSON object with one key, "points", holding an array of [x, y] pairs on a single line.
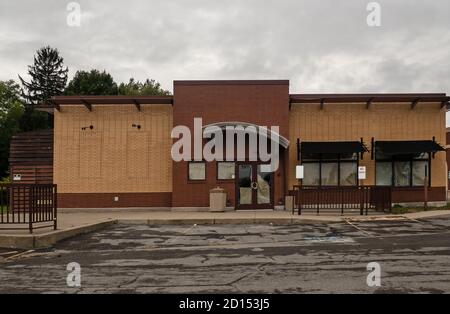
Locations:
{"points": [[361, 173], [299, 172], [17, 177]]}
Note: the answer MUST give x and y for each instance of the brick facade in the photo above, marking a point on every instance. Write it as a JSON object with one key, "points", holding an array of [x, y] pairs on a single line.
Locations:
{"points": [[264, 103], [118, 154], [115, 156]]}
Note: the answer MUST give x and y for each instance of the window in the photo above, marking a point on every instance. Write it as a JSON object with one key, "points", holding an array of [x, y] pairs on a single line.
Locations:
{"points": [[402, 173], [329, 173], [311, 174], [225, 170], [383, 173], [330, 169], [196, 171], [418, 172], [348, 173], [401, 170]]}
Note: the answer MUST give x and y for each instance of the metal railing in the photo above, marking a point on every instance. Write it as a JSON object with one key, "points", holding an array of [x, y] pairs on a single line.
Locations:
{"points": [[342, 198], [28, 206]]}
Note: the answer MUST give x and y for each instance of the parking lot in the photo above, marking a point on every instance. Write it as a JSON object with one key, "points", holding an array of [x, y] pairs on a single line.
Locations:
{"points": [[414, 256]]}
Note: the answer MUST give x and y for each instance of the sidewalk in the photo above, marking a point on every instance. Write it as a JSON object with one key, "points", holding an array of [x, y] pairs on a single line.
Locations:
{"points": [[72, 223], [249, 216]]}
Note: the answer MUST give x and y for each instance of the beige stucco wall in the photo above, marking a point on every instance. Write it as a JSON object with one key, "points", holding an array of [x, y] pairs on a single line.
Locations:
{"points": [[114, 156], [383, 121]]}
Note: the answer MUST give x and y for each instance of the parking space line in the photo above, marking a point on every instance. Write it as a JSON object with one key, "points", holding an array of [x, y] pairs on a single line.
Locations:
{"points": [[412, 219], [184, 233], [428, 223], [7, 253], [18, 255], [359, 229]]}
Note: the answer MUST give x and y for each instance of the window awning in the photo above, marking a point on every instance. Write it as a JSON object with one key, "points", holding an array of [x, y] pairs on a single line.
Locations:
{"points": [[332, 147], [407, 147]]}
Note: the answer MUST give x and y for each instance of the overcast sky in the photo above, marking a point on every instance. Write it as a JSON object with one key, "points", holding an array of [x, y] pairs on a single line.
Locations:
{"points": [[322, 46]]}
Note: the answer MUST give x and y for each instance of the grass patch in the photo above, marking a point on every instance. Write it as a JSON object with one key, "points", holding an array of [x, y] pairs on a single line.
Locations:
{"points": [[398, 209]]}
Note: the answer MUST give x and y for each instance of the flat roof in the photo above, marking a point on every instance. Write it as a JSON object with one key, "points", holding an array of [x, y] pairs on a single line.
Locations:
{"points": [[406, 97], [413, 98], [229, 82], [108, 100], [57, 101]]}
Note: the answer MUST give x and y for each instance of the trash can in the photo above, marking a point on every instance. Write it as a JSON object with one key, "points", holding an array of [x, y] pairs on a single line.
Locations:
{"points": [[217, 200]]}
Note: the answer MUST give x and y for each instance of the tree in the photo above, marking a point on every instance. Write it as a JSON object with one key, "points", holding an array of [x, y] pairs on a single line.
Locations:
{"points": [[11, 111], [93, 82], [32, 119], [48, 76], [136, 88], [9, 95]]}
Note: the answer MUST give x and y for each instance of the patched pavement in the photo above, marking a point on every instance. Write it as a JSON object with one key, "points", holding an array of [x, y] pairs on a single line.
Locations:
{"points": [[414, 256]]}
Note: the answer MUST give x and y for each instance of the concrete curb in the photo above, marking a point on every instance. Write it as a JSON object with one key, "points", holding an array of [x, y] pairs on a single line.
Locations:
{"points": [[46, 240], [295, 219], [428, 214], [224, 221]]}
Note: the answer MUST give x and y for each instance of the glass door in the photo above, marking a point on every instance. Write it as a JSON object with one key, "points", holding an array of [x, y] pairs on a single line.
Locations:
{"points": [[254, 186], [244, 185], [264, 187]]}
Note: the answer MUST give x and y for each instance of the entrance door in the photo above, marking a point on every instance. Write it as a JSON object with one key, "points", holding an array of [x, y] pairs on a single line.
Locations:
{"points": [[254, 186]]}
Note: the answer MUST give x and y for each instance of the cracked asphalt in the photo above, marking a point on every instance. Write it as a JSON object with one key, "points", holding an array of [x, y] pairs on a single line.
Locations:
{"points": [[414, 256]]}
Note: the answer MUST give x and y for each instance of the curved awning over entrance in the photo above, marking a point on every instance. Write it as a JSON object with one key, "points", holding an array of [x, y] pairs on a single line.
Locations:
{"points": [[284, 142]]}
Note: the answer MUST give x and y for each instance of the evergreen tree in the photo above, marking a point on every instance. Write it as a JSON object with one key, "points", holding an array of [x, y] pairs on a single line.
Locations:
{"points": [[11, 110], [48, 76]]}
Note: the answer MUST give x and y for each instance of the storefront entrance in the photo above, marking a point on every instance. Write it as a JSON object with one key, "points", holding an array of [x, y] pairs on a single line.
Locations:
{"points": [[254, 186]]}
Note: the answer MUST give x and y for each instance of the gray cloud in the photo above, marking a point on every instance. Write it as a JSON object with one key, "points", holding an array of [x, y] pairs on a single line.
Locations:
{"points": [[320, 45]]}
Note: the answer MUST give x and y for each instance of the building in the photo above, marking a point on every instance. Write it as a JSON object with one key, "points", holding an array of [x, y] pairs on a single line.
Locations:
{"points": [[447, 149], [31, 157], [115, 151]]}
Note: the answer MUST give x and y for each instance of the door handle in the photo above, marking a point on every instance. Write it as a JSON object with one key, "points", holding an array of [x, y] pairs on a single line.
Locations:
{"points": [[254, 185]]}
